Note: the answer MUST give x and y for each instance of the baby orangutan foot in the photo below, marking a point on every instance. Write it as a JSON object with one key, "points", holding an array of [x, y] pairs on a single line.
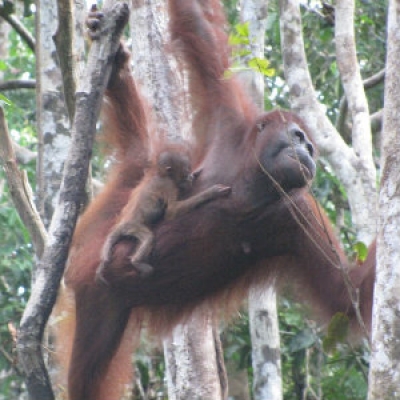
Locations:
{"points": [[143, 269], [99, 277]]}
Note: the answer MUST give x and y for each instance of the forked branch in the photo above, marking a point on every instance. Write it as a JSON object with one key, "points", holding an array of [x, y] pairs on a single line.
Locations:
{"points": [[50, 268]]}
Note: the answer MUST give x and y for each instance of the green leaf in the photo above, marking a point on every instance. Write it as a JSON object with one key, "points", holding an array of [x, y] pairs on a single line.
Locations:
{"points": [[240, 35], [4, 100], [261, 65], [242, 29], [228, 73], [27, 8], [303, 340], [7, 7], [235, 40], [337, 332], [361, 250]]}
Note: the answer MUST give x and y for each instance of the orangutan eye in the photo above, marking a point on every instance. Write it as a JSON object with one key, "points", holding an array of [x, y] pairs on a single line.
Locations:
{"points": [[261, 126]]}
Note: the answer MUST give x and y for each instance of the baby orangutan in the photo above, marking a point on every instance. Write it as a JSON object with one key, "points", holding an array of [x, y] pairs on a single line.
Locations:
{"points": [[155, 198]]}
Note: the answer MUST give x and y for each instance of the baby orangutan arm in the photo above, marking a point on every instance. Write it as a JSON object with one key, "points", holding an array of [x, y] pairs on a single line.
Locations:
{"points": [[185, 206]]}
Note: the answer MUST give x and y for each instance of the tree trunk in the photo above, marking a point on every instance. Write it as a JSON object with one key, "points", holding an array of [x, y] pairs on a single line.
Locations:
{"points": [[263, 318], [195, 368], [363, 213], [265, 340], [4, 31], [52, 119], [191, 353], [384, 378]]}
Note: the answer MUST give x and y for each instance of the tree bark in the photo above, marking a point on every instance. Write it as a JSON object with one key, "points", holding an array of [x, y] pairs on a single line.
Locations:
{"points": [[53, 125], [20, 190], [192, 359], [358, 106], [64, 39], [384, 377], [4, 32], [265, 340]]}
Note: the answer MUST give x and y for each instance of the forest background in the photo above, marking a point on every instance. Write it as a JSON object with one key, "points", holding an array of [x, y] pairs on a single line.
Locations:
{"points": [[37, 118]]}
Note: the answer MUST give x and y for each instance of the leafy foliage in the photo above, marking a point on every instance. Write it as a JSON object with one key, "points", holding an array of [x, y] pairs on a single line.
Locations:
{"points": [[16, 259], [337, 332], [241, 50], [307, 368], [16, 252]]}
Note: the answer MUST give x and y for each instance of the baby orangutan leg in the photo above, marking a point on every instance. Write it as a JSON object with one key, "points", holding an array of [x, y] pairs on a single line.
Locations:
{"points": [[106, 253], [145, 238]]}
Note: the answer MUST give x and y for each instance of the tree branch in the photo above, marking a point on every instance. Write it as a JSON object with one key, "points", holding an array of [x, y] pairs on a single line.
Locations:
{"points": [[23, 155], [304, 100], [376, 121], [51, 267], [64, 41], [20, 28], [20, 190], [368, 83], [351, 78], [374, 80], [14, 84], [358, 106]]}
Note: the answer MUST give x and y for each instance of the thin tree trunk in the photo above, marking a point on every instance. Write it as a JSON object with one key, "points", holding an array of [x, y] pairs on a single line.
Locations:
{"points": [[52, 118], [195, 368], [4, 31], [263, 317], [384, 377], [354, 174], [346, 54], [265, 340], [191, 353]]}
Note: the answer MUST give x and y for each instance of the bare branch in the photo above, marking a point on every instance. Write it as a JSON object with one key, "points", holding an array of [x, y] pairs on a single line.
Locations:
{"points": [[20, 190], [304, 100], [64, 41], [342, 117], [14, 84], [376, 121], [51, 266], [20, 28], [368, 83], [23, 155], [374, 80], [354, 90]]}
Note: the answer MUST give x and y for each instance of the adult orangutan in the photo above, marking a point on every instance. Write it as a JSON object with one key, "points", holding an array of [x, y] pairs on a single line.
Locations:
{"points": [[269, 226]]}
